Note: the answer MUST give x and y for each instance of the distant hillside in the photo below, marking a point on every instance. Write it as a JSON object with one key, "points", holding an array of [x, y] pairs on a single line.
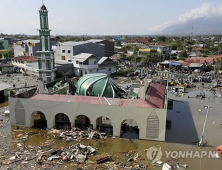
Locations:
{"points": [[201, 26]]}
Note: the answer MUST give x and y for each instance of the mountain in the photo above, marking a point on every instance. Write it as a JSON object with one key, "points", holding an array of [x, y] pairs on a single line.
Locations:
{"points": [[201, 26]]}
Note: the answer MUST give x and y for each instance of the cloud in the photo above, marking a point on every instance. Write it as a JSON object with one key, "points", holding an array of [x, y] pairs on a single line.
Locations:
{"points": [[161, 26], [205, 10]]}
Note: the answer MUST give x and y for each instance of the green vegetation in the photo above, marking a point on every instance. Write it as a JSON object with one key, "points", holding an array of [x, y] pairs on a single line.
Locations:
{"points": [[126, 71]]}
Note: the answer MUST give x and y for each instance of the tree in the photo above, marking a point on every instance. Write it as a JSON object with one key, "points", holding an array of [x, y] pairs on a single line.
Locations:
{"points": [[11, 53], [183, 55], [161, 39], [122, 57], [173, 45], [118, 43], [189, 48]]}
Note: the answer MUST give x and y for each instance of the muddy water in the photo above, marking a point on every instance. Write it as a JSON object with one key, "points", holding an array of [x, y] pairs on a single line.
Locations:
{"points": [[3, 104], [187, 119]]}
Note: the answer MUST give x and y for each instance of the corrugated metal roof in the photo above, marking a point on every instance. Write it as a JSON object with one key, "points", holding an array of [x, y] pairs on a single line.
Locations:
{"points": [[195, 65], [82, 57], [4, 86], [73, 43], [94, 100], [102, 60], [155, 94], [95, 40], [98, 84]]}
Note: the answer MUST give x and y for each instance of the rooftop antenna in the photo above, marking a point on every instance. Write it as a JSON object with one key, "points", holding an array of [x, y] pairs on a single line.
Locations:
{"points": [[42, 2], [192, 29]]}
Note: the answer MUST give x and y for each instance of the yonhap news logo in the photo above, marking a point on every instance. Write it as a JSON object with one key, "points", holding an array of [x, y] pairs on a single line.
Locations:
{"points": [[155, 153]]}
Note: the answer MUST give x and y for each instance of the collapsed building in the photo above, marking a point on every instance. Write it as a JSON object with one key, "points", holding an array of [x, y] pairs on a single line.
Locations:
{"points": [[102, 109]]}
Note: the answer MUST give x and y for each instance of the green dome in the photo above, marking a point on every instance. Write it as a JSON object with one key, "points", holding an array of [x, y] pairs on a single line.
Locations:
{"points": [[43, 7], [98, 84]]}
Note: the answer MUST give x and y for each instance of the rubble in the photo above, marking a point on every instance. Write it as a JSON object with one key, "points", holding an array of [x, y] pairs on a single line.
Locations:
{"points": [[17, 154], [77, 134]]}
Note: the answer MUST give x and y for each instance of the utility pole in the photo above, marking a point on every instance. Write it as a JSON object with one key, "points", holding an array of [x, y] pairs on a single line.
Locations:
{"points": [[201, 142]]}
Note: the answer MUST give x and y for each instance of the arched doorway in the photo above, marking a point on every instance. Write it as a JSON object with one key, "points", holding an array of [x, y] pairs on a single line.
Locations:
{"points": [[129, 129], [39, 120], [104, 124], [62, 121], [82, 121]]}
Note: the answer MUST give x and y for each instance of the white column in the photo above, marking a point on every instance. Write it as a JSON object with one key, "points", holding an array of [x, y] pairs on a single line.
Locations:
{"points": [[43, 43], [116, 131]]}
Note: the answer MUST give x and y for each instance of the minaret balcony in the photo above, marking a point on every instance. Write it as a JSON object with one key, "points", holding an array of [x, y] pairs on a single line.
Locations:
{"points": [[44, 30], [52, 70]]}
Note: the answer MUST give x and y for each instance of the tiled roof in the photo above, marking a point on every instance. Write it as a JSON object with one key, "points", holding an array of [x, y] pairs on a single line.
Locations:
{"points": [[26, 58]]}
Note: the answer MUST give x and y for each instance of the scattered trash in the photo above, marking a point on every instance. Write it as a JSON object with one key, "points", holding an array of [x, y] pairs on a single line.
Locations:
{"points": [[166, 166]]}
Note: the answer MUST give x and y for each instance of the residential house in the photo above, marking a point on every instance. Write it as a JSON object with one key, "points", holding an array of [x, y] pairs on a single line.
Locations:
{"points": [[175, 54], [26, 47], [106, 65], [85, 63], [25, 63], [195, 54], [161, 48]]}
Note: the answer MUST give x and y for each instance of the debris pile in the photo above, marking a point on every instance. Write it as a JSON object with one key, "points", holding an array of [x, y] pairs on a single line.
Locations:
{"points": [[77, 134]]}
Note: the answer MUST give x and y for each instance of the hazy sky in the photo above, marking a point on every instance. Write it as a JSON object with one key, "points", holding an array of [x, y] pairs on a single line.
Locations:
{"points": [[103, 17]]}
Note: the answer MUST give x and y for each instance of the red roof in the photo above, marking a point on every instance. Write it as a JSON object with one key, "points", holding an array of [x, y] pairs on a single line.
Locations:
{"points": [[155, 94], [26, 58], [95, 100]]}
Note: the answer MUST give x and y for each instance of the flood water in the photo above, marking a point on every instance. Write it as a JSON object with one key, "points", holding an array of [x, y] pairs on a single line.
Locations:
{"points": [[187, 119]]}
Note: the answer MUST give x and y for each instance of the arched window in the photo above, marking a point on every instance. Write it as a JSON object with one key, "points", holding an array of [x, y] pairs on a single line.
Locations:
{"points": [[46, 22], [152, 127], [42, 21], [43, 43]]}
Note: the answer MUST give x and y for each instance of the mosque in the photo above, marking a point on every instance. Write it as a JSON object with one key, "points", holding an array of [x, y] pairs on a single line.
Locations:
{"points": [[98, 102]]}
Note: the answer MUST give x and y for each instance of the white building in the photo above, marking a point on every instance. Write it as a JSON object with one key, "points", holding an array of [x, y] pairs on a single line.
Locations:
{"points": [[161, 48], [86, 63], [106, 65], [26, 47], [66, 50]]}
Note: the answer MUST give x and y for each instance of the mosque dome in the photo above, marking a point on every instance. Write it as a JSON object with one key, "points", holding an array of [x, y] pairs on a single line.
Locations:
{"points": [[43, 7], [98, 84]]}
